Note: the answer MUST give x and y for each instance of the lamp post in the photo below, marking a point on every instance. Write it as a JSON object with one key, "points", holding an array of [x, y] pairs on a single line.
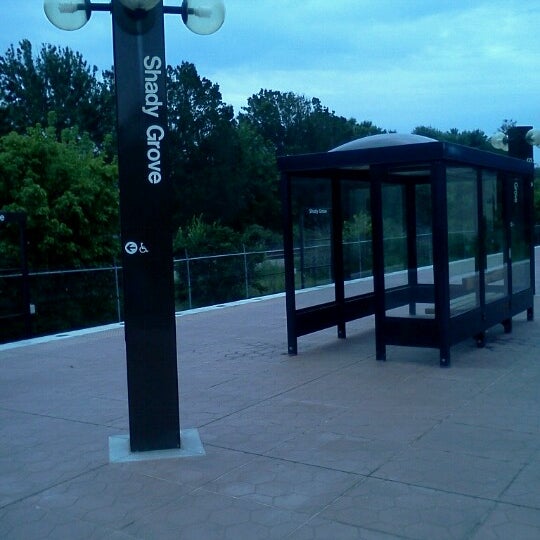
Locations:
{"points": [[145, 196], [518, 141]]}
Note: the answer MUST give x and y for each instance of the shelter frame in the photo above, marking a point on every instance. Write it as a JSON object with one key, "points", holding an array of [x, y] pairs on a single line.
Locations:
{"points": [[493, 279]]}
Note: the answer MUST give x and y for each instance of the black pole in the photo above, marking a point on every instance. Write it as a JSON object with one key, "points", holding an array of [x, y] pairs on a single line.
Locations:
{"points": [[412, 249], [288, 255], [337, 256], [441, 273], [378, 174], [25, 277], [518, 146], [21, 219], [145, 218]]}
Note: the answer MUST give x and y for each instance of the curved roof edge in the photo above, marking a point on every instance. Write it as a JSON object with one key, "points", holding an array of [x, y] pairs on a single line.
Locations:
{"points": [[386, 139]]}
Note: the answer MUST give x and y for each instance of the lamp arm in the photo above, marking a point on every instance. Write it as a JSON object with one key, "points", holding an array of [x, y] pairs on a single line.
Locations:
{"points": [[90, 6], [72, 7], [175, 10], [95, 6], [184, 11]]}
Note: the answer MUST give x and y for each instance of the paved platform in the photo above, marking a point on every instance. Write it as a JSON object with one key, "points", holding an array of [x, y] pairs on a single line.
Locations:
{"points": [[328, 445]]}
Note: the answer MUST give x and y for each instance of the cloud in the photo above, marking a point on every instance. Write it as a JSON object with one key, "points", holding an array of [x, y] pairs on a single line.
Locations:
{"points": [[466, 64], [448, 66]]}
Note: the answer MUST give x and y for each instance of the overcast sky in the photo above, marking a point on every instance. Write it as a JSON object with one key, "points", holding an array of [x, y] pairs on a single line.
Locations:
{"points": [[399, 63]]}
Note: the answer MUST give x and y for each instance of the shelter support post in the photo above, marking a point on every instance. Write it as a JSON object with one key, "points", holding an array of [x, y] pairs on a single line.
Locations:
{"points": [[288, 254], [440, 260], [337, 255], [377, 175]]}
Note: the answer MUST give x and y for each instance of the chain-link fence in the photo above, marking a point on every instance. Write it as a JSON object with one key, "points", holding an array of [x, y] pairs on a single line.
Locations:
{"points": [[217, 279], [73, 299], [59, 301]]}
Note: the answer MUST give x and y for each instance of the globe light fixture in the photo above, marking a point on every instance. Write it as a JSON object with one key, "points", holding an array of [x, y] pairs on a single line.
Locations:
{"points": [[203, 17], [517, 141], [67, 15], [499, 141], [533, 137]]}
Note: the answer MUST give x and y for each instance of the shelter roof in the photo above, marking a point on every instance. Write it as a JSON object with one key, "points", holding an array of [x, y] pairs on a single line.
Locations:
{"points": [[397, 149]]}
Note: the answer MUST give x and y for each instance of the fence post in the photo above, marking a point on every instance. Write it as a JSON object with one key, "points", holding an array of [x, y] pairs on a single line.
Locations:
{"points": [[188, 278]]}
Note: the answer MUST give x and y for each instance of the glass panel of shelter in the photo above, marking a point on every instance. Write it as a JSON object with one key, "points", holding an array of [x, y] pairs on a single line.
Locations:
{"points": [[424, 236], [312, 231], [407, 231], [469, 248], [394, 235], [357, 241], [463, 239], [520, 253], [495, 243]]}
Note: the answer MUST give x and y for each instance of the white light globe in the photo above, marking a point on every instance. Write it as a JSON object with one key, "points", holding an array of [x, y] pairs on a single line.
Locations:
{"points": [[67, 15], [533, 137], [203, 16], [147, 5], [499, 141]]}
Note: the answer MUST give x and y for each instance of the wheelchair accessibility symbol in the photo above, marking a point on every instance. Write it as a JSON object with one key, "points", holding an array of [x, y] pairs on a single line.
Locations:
{"points": [[133, 247]]}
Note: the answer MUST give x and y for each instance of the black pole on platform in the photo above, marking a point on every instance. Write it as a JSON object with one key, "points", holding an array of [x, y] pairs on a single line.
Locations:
{"points": [[145, 220], [145, 201], [20, 219]]}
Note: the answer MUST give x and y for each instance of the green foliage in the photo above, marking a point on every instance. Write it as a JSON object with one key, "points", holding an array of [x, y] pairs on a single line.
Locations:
{"points": [[358, 228], [220, 278], [257, 238], [221, 170], [57, 80], [258, 181], [199, 238], [295, 124], [475, 139], [507, 124], [212, 280], [69, 195]]}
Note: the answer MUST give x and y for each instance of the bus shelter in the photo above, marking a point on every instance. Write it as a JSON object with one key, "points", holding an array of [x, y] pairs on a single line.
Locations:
{"points": [[435, 239]]}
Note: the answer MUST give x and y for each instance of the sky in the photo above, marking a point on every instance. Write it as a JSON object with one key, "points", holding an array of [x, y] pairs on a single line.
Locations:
{"points": [[461, 64]]}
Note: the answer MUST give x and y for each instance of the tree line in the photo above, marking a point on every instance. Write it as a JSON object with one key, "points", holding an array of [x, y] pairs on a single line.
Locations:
{"points": [[58, 156]]}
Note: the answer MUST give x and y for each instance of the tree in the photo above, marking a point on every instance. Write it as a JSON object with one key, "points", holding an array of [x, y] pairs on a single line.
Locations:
{"points": [[214, 279], [200, 237], [57, 80], [69, 195], [296, 124], [202, 138], [259, 180], [475, 138], [507, 124], [219, 169]]}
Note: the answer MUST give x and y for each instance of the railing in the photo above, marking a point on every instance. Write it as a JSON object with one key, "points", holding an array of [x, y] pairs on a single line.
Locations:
{"points": [[72, 299]]}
